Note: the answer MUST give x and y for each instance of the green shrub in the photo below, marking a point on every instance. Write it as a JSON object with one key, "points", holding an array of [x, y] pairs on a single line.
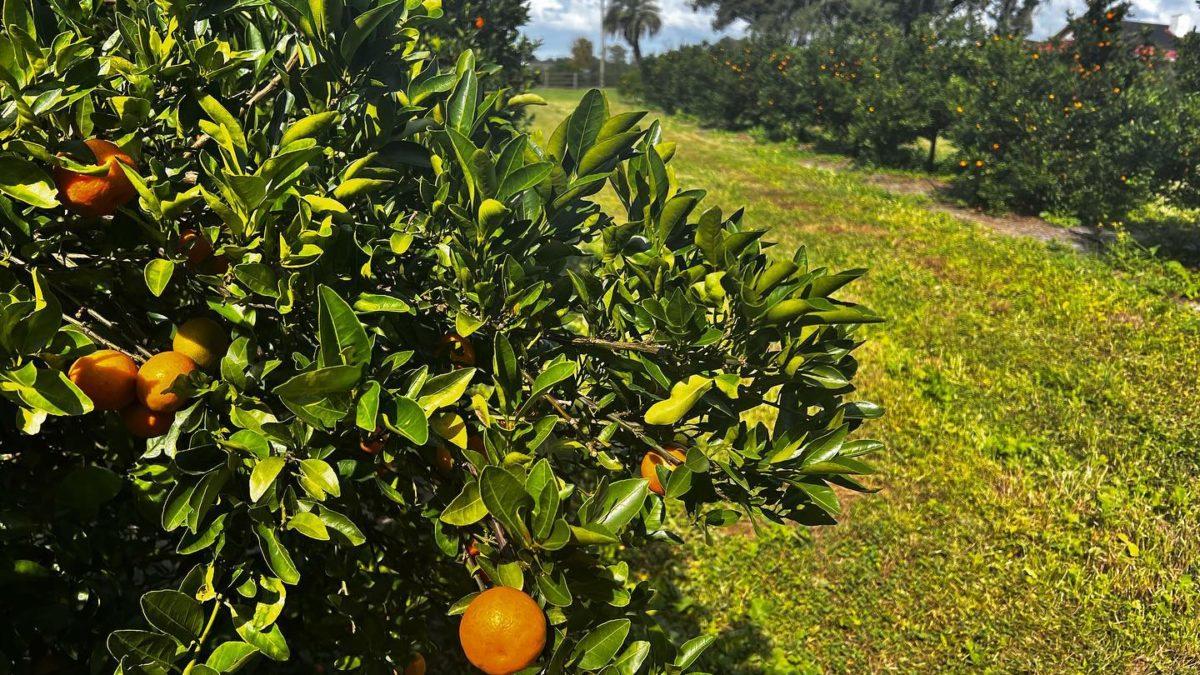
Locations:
{"points": [[436, 363], [1068, 129]]}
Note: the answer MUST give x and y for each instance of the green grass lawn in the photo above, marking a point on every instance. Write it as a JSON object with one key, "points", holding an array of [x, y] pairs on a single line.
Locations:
{"points": [[1040, 496]]}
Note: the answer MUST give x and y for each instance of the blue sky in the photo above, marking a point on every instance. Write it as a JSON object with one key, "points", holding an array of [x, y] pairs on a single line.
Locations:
{"points": [[558, 22]]}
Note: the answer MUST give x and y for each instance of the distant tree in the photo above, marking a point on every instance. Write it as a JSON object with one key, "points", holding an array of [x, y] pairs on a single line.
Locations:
{"points": [[799, 20], [618, 55], [583, 55], [490, 28], [632, 20]]}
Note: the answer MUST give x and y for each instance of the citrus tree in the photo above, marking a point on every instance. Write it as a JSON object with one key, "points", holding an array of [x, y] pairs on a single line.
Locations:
{"points": [[308, 356]]}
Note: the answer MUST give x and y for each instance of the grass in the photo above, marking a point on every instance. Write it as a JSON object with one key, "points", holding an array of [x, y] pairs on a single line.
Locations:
{"points": [[1040, 492]]}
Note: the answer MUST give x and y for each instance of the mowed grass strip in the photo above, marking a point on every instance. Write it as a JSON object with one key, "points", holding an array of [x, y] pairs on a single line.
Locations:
{"points": [[1039, 499]]}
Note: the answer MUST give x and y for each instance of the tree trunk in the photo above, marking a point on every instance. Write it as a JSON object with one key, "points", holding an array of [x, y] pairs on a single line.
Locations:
{"points": [[636, 46], [933, 139]]}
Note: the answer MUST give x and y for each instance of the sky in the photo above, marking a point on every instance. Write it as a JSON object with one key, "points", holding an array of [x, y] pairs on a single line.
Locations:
{"points": [[556, 23]]}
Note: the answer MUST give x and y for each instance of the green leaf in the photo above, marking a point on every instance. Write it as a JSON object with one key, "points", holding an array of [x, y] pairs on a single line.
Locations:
{"points": [[369, 303], [460, 110], [554, 373], [343, 338], [603, 157], [263, 476], [229, 657], [343, 526], [365, 24], [316, 385], [259, 278], [621, 502], [309, 127], [444, 390], [601, 644], [321, 474], [692, 649], [174, 613], [585, 123], [54, 394], [522, 179], [269, 642], [158, 274], [86, 488], [467, 508], [821, 494], [276, 556], [25, 181], [684, 396], [366, 415], [310, 525], [217, 113], [505, 499], [410, 420], [141, 647]]}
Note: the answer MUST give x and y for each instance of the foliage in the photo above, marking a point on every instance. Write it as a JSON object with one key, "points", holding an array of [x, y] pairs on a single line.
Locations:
{"points": [[583, 55], [1069, 129], [491, 29], [1088, 128], [1037, 482], [407, 277]]}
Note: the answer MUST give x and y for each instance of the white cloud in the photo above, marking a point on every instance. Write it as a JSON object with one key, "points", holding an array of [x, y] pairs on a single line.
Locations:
{"points": [[557, 23], [1052, 15]]}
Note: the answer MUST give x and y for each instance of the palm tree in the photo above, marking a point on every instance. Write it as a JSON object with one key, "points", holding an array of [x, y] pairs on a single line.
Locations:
{"points": [[633, 19]]}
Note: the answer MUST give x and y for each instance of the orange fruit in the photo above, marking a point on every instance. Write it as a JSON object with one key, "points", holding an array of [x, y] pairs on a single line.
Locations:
{"points": [[416, 666], [473, 549], [201, 340], [143, 422], [458, 348], [157, 376], [444, 461], [502, 631], [198, 251], [98, 195], [108, 377], [653, 460], [476, 443]]}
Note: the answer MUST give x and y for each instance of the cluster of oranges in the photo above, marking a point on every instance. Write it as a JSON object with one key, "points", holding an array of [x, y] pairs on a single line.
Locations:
{"points": [[148, 396]]}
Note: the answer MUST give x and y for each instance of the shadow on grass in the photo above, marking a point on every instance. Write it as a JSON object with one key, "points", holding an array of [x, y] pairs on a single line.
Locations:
{"points": [[1174, 234], [742, 648]]}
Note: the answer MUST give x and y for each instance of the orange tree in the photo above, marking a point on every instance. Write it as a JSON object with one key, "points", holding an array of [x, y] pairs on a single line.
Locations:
{"points": [[390, 374], [1073, 127]]}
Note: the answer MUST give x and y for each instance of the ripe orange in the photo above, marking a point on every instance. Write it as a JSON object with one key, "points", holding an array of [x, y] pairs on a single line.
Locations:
{"points": [[476, 443], [143, 422], [652, 460], [458, 348], [201, 340], [502, 631], [198, 251], [108, 377], [156, 378], [444, 461], [98, 195], [416, 666]]}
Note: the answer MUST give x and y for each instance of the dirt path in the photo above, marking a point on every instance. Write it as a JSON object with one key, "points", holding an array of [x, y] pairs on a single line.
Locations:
{"points": [[1088, 239]]}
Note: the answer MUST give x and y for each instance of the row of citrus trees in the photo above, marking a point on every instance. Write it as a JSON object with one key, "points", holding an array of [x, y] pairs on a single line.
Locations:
{"points": [[312, 360], [1090, 127]]}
